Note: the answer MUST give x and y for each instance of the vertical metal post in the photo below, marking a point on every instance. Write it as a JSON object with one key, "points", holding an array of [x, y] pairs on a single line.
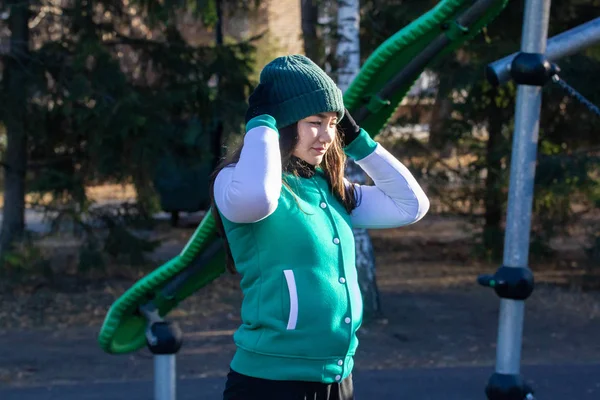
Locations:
{"points": [[164, 377], [520, 198], [513, 282], [163, 339]]}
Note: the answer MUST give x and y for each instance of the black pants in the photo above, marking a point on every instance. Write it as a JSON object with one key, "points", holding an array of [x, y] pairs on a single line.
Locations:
{"points": [[242, 387]]}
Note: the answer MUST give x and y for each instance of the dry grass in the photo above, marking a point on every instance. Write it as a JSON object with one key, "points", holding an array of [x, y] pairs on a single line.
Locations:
{"points": [[430, 256], [100, 193], [111, 192]]}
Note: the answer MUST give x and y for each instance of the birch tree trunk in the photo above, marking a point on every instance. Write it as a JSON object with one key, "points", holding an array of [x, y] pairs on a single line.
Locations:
{"points": [[348, 61]]}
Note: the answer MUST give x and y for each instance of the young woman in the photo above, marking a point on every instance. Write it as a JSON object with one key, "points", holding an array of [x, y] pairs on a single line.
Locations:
{"points": [[286, 214]]}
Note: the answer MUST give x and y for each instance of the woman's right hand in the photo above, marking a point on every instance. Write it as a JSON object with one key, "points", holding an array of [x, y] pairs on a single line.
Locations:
{"points": [[258, 102]]}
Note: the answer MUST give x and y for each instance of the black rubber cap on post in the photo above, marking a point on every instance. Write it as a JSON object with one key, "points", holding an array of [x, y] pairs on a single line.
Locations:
{"points": [[532, 69], [510, 282], [507, 387], [164, 338]]}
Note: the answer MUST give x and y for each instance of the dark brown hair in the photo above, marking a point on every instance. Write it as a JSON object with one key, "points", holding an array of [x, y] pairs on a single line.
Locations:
{"points": [[333, 165]]}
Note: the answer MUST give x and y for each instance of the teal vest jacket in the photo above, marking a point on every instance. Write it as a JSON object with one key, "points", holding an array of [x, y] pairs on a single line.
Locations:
{"points": [[302, 304]]}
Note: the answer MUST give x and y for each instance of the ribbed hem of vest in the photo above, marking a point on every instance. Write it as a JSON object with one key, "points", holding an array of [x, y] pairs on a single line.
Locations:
{"points": [[287, 368], [360, 147]]}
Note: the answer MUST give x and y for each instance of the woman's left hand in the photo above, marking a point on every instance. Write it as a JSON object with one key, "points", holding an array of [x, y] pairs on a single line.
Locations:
{"points": [[349, 128]]}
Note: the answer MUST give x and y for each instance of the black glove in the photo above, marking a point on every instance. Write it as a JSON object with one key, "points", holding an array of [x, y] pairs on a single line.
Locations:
{"points": [[349, 128], [258, 102]]}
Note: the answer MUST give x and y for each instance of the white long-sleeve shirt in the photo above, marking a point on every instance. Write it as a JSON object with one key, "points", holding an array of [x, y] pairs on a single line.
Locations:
{"points": [[249, 190]]}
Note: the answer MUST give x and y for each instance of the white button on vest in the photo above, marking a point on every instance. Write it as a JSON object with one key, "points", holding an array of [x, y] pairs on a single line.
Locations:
{"points": [[338, 377], [347, 320], [323, 205], [336, 241], [342, 280], [340, 362]]}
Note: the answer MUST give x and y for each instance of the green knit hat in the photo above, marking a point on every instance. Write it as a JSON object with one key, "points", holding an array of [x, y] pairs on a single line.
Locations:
{"points": [[298, 88]]}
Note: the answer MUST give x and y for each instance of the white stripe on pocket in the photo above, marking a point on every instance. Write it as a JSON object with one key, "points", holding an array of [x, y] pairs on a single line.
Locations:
{"points": [[291, 283]]}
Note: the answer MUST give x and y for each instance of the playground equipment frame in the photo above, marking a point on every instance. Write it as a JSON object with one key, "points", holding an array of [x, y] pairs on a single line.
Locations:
{"points": [[531, 69]]}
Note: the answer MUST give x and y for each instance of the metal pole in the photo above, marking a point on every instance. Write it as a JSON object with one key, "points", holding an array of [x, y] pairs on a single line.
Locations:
{"points": [[559, 46], [164, 340], [164, 377], [524, 154], [513, 281]]}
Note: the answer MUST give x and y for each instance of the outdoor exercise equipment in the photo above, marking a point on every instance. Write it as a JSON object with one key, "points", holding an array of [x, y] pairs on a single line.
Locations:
{"points": [[562, 45], [136, 319], [565, 44], [513, 282]]}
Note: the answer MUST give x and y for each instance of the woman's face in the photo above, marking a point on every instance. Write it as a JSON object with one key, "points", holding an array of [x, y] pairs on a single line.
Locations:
{"points": [[315, 134]]}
